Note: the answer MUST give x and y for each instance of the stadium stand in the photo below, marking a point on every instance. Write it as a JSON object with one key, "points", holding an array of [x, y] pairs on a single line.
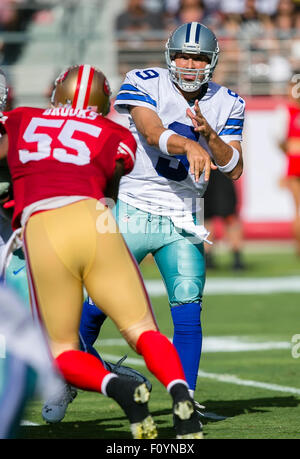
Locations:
{"points": [[260, 50], [260, 43]]}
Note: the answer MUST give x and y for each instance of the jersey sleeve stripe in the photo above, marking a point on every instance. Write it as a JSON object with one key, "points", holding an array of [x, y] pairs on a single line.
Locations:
{"points": [[131, 97], [124, 149], [128, 87], [231, 131], [234, 122], [135, 93]]}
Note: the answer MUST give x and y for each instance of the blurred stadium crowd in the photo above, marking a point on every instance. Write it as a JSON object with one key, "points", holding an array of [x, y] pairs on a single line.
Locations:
{"points": [[259, 39]]}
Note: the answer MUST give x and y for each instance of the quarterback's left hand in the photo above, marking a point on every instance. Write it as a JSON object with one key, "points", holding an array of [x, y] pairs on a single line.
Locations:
{"points": [[199, 122]]}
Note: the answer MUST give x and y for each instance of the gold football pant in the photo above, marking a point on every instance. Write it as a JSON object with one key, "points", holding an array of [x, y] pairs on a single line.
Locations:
{"points": [[80, 245]]}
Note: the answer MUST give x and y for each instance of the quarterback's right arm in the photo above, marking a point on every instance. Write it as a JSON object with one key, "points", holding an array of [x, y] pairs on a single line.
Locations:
{"points": [[150, 126]]}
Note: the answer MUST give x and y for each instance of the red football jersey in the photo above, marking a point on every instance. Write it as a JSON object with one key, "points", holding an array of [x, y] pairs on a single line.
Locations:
{"points": [[63, 152]]}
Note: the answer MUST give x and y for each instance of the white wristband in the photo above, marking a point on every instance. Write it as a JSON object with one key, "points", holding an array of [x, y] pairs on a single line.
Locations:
{"points": [[163, 140], [232, 163]]}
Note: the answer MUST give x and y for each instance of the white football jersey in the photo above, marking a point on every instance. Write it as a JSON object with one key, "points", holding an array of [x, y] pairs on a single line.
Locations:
{"points": [[160, 183]]}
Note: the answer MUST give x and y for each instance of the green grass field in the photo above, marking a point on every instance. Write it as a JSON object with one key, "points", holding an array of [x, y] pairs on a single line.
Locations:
{"points": [[247, 374]]}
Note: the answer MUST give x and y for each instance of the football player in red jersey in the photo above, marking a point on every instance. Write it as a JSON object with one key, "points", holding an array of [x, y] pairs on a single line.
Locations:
{"points": [[25, 367], [64, 161], [287, 132]]}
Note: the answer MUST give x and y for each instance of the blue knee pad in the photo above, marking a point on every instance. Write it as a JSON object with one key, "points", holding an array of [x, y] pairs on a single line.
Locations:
{"points": [[182, 266], [187, 338]]}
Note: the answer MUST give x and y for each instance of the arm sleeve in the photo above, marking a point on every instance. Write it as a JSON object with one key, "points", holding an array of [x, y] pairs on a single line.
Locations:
{"points": [[126, 150], [136, 92], [233, 127]]}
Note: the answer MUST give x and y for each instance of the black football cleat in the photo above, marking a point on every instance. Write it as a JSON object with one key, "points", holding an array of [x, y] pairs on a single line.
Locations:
{"points": [[133, 397], [185, 416]]}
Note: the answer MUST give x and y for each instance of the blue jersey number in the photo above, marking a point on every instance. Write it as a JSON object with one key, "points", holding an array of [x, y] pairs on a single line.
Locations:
{"points": [[234, 94], [163, 167], [147, 74]]}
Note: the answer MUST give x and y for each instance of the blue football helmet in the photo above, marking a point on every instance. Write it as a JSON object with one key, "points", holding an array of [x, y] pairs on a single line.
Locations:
{"points": [[192, 38]]}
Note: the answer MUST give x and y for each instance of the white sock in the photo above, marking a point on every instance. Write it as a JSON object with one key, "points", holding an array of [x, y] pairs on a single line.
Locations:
{"points": [[191, 392]]}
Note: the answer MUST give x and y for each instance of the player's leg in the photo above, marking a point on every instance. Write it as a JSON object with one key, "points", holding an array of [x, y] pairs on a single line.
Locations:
{"points": [[235, 238], [16, 389], [211, 201], [55, 407], [182, 266], [227, 206], [26, 372], [114, 271], [91, 321], [55, 273], [210, 260], [59, 309], [294, 187], [132, 227], [92, 318]]}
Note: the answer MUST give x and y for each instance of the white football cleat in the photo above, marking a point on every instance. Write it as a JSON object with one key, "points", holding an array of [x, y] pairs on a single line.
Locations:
{"points": [[199, 409], [55, 408]]}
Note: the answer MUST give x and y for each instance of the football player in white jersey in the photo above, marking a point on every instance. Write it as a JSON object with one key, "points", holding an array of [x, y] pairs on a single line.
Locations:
{"points": [[184, 125]]}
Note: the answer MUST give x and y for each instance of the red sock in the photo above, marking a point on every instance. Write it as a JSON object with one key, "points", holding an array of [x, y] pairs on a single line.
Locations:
{"points": [[160, 356], [82, 370]]}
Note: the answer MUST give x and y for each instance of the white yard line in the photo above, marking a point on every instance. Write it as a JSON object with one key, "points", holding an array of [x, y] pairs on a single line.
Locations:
{"points": [[219, 344], [236, 286], [29, 423], [231, 379]]}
